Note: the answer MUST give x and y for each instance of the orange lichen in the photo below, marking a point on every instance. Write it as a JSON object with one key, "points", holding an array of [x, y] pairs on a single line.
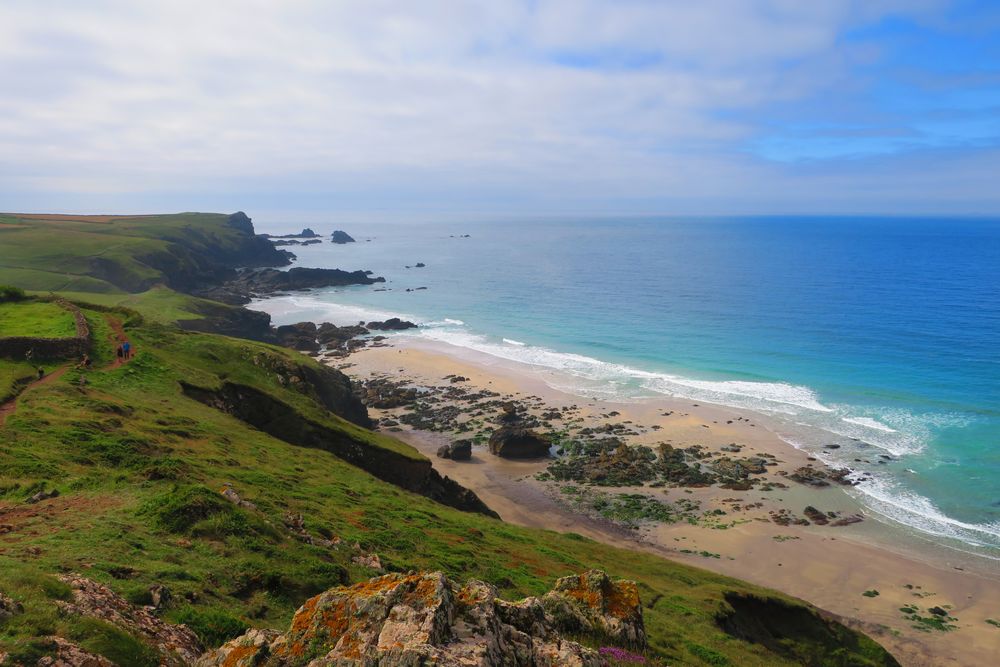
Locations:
{"points": [[304, 617], [238, 654], [623, 599]]}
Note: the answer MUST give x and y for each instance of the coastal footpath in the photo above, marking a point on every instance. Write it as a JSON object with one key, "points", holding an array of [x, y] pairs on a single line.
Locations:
{"points": [[216, 498]]}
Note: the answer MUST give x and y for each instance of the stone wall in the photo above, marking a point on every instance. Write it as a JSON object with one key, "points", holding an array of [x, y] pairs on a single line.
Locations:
{"points": [[17, 347]]}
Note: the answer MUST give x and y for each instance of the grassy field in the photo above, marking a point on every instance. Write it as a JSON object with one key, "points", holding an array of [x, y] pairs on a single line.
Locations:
{"points": [[35, 318]]}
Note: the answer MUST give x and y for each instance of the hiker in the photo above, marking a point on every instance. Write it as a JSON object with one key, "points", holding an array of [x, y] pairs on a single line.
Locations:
{"points": [[120, 351], [41, 372], [127, 349], [85, 362]]}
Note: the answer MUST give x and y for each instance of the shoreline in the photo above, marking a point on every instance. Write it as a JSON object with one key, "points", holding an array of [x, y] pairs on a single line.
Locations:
{"points": [[832, 567]]}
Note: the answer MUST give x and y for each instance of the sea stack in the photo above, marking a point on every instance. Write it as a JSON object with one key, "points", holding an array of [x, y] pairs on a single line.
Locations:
{"points": [[342, 237]]}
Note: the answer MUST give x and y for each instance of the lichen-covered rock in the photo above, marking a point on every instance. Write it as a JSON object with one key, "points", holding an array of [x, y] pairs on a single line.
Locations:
{"points": [[591, 602], [68, 654], [177, 644], [250, 650], [405, 620]]}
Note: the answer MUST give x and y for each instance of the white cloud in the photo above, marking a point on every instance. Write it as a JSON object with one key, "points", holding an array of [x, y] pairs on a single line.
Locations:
{"points": [[396, 101]]}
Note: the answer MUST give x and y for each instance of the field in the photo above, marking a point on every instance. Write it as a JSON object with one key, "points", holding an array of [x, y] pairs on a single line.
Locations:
{"points": [[35, 318]]}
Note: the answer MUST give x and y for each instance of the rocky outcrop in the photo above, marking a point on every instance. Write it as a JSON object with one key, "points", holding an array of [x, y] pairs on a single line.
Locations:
{"points": [[60, 653], [391, 324], [460, 450], [306, 233], [517, 442], [400, 620], [252, 283], [592, 603], [341, 237], [176, 644]]}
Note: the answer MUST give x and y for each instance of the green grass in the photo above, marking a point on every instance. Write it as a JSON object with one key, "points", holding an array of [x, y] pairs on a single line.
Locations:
{"points": [[35, 318], [14, 374]]}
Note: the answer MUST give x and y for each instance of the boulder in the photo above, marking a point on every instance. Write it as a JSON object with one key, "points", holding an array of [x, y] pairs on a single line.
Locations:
{"points": [[391, 324], [593, 604], [422, 618], [515, 442], [341, 237], [460, 450]]}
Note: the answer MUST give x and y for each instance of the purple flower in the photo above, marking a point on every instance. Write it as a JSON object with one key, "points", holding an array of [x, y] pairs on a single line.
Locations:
{"points": [[621, 655]]}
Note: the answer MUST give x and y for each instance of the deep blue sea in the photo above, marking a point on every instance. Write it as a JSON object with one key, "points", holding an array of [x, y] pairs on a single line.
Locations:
{"points": [[881, 335]]}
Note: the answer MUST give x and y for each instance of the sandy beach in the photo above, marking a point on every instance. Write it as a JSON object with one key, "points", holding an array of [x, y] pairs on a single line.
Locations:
{"points": [[873, 574]]}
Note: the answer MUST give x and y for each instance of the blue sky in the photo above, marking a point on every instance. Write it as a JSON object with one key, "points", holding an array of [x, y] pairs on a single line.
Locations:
{"points": [[352, 110]]}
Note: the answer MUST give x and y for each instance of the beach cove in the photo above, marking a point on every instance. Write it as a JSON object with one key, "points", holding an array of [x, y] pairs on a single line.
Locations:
{"points": [[867, 572]]}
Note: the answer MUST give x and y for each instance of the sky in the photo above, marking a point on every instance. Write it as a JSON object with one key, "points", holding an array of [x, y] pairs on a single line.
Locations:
{"points": [[339, 110]]}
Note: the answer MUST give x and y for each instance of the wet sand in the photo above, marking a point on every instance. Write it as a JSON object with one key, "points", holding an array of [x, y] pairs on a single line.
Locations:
{"points": [[831, 567]]}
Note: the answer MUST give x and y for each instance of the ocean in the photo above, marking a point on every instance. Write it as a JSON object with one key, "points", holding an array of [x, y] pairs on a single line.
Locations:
{"points": [[881, 335]]}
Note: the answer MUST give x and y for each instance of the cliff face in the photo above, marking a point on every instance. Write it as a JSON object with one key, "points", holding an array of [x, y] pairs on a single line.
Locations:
{"points": [[210, 254]]}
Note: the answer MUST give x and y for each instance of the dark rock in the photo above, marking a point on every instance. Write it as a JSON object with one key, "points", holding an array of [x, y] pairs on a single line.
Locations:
{"points": [[341, 237], [419, 265], [815, 516], [301, 336], [391, 324], [460, 450], [515, 442], [43, 495]]}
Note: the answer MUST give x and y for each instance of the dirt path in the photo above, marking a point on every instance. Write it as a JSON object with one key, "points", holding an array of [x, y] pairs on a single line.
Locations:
{"points": [[11, 405], [116, 338]]}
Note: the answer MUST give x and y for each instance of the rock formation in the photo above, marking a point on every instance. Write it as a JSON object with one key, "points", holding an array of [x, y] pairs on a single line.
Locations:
{"points": [[391, 324], [176, 644], [517, 442], [424, 619], [341, 237], [460, 450]]}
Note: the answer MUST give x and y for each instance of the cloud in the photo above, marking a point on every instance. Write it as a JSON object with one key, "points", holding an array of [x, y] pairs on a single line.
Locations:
{"points": [[388, 106]]}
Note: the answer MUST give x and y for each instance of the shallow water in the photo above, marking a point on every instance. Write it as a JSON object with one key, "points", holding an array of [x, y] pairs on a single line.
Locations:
{"points": [[878, 335]]}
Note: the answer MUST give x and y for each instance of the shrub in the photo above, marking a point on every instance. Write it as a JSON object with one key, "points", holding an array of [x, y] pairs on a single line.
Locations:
{"points": [[10, 293], [184, 506], [213, 627]]}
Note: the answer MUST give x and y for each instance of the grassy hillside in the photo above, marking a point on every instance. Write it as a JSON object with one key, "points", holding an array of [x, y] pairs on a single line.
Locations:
{"points": [[139, 454], [124, 254]]}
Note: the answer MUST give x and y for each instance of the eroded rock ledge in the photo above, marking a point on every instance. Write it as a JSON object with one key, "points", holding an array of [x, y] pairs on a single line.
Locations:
{"points": [[425, 619]]}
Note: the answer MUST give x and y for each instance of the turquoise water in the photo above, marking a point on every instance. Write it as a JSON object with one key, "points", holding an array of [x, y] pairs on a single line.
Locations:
{"points": [[880, 335]]}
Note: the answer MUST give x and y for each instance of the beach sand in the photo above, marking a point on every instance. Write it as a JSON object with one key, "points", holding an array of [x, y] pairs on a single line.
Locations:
{"points": [[831, 567]]}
